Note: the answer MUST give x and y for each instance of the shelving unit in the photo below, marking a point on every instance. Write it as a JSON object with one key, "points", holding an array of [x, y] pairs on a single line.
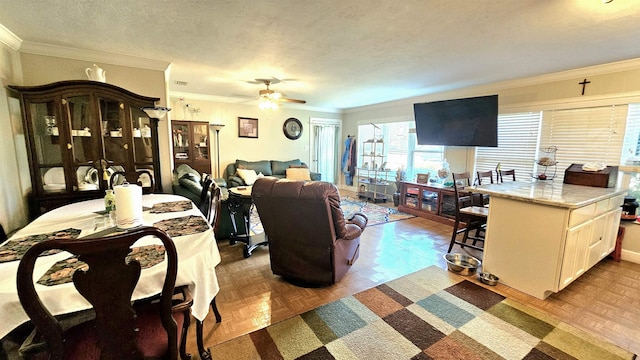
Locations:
{"points": [[372, 175], [191, 144]]}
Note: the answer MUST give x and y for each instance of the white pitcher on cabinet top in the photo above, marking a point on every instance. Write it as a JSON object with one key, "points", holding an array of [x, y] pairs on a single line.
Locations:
{"points": [[96, 73]]}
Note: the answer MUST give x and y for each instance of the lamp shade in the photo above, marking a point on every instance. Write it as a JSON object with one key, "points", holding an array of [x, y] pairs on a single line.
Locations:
{"points": [[216, 127], [155, 112]]}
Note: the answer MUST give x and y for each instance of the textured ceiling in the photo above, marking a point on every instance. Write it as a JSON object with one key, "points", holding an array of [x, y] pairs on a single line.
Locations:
{"points": [[341, 53]]}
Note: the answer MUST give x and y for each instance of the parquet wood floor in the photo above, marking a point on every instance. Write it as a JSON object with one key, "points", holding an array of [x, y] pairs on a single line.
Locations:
{"points": [[605, 301]]}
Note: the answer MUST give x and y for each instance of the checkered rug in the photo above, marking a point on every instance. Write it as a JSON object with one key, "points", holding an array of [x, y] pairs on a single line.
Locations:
{"points": [[430, 314]]}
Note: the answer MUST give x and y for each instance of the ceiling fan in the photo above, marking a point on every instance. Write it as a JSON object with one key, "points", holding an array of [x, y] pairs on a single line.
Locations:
{"points": [[268, 98]]}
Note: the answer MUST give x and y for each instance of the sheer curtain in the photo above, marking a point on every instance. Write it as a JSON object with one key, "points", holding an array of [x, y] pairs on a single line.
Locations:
{"points": [[325, 140]]}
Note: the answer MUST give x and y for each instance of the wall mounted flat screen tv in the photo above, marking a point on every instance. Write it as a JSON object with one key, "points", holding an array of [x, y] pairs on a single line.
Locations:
{"points": [[459, 122]]}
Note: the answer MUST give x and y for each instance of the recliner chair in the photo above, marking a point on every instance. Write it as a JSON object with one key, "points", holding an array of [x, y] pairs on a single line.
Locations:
{"points": [[310, 241]]}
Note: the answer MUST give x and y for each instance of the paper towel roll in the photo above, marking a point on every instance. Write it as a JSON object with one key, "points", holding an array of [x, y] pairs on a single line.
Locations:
{"points": [[128, 206]]}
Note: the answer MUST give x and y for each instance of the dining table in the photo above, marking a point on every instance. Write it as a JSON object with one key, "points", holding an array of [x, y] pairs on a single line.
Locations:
{"points": [[197, 251]]}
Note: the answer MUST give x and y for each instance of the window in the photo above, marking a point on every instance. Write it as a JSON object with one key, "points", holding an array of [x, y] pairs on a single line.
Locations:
{"points": [[517, 145], [630, 156], [401, 149]]}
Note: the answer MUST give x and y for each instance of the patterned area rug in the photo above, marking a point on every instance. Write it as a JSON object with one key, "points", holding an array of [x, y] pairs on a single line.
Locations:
{"points": [[375, 213], [430, 314]]}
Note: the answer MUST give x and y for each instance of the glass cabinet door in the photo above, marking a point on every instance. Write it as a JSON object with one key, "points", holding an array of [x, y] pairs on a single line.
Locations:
{"points": [[201, 141], [113, 132], [49, 146], [180, 141], [85, 146], [429, 200], [411, 196], [142, 144]]}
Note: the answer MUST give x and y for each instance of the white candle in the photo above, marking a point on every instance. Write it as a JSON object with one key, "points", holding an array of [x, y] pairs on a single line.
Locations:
{"points": [[128, 206]]}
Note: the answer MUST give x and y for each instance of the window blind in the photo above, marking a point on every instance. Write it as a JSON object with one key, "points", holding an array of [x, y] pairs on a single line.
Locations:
{"points": [[586, 135], [517, 145]]}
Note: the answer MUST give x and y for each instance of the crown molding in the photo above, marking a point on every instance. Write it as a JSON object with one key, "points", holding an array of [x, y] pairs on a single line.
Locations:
{"points": [[10, 39], [614, 67], [93, 56], [609, 68]]}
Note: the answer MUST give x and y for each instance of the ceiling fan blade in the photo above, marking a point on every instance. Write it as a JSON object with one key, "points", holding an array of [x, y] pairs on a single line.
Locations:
{"points": [[265, 81], [293, 100]]}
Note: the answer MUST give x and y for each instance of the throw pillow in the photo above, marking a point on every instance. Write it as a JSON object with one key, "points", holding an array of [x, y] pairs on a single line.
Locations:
{"points": [[298, 174], [249, 176], [298, 167]]}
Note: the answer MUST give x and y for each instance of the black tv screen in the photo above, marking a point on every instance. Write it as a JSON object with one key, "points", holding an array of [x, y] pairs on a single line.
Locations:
{"points": [[459, 122]]}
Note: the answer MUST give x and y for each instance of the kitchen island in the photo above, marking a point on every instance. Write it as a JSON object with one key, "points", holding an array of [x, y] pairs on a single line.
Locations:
{"points": [[542, 235]]}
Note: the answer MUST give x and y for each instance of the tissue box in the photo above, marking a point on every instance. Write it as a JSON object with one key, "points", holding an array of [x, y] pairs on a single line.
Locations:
{"points": [[605, 178]]}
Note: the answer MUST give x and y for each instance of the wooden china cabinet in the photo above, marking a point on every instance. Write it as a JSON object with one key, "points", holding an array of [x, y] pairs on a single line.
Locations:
{"points": [[191, 145], [79, 132]]}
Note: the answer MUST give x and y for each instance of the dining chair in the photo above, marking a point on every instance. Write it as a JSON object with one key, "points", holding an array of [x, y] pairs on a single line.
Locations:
{"points": [[122, 329], [205, 195], [483, 175], [209, 206], [511, 172], [142, 177], [471, 214]]}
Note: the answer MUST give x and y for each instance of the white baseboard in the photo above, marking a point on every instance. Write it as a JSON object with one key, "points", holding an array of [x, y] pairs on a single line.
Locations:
{"points": [[630, 256]]}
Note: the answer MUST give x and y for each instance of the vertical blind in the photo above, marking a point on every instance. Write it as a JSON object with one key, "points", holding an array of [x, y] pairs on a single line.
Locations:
{"points": [[517, 145], [586, 135]]}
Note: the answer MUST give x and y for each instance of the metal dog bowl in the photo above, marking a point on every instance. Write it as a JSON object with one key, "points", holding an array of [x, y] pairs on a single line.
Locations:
{"points": [[462, 264], [488, 278]]}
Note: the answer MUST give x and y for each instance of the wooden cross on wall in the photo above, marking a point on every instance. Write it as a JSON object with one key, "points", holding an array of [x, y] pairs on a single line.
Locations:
{"points": [[584, 84]]}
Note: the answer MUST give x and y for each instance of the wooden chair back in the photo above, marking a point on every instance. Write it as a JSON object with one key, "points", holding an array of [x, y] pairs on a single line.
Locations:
{"points": [[461, 179], [511, 172], [205, 194], [214, 205], [470, 213], [484, 175], [142, 177], [108, 285]]}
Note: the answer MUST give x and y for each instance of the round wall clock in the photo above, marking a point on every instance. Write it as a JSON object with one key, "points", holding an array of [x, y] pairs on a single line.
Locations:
{"points": [[292, 128]]}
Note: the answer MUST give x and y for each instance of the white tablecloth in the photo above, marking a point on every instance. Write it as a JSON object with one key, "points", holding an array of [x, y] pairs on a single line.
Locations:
{"points": [[197, 258]]}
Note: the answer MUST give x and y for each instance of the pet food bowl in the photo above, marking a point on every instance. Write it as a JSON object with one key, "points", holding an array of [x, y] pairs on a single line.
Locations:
{"points": [[462, 264], [488, 278]]}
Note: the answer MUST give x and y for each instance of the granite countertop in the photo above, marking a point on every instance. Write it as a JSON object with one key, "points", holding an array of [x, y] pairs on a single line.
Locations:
{"points": [[548, 192]]}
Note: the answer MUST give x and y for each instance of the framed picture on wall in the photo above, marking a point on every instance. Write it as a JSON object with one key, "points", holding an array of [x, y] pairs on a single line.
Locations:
{"points": [[247, 127]]}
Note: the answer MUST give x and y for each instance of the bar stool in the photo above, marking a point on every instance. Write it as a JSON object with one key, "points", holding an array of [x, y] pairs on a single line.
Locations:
{"points": [[511, 172], [470, 214], [483, 175]]}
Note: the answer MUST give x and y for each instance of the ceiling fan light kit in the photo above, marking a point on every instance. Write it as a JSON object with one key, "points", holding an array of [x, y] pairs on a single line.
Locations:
{"points": [[270, 99]]}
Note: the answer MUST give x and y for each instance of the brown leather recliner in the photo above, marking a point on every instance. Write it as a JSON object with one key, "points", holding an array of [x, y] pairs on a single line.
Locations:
{"points": [[310, 241]]}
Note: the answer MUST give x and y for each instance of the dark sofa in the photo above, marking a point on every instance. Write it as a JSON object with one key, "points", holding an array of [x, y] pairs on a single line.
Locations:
{"points": [[273, 168]]}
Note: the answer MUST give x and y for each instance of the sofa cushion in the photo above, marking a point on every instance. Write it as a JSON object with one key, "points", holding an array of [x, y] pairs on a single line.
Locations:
{"points": [[298, 174], [249, 176], [263, 166], [280, 167]]}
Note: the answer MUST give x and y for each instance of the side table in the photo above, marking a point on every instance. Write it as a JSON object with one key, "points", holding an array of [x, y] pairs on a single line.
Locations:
{"points": [[240, 205]]}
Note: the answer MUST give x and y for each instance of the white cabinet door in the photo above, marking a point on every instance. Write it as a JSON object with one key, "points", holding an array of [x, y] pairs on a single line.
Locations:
{"points": [[598, 234], [611, 232], [574, 261]]}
